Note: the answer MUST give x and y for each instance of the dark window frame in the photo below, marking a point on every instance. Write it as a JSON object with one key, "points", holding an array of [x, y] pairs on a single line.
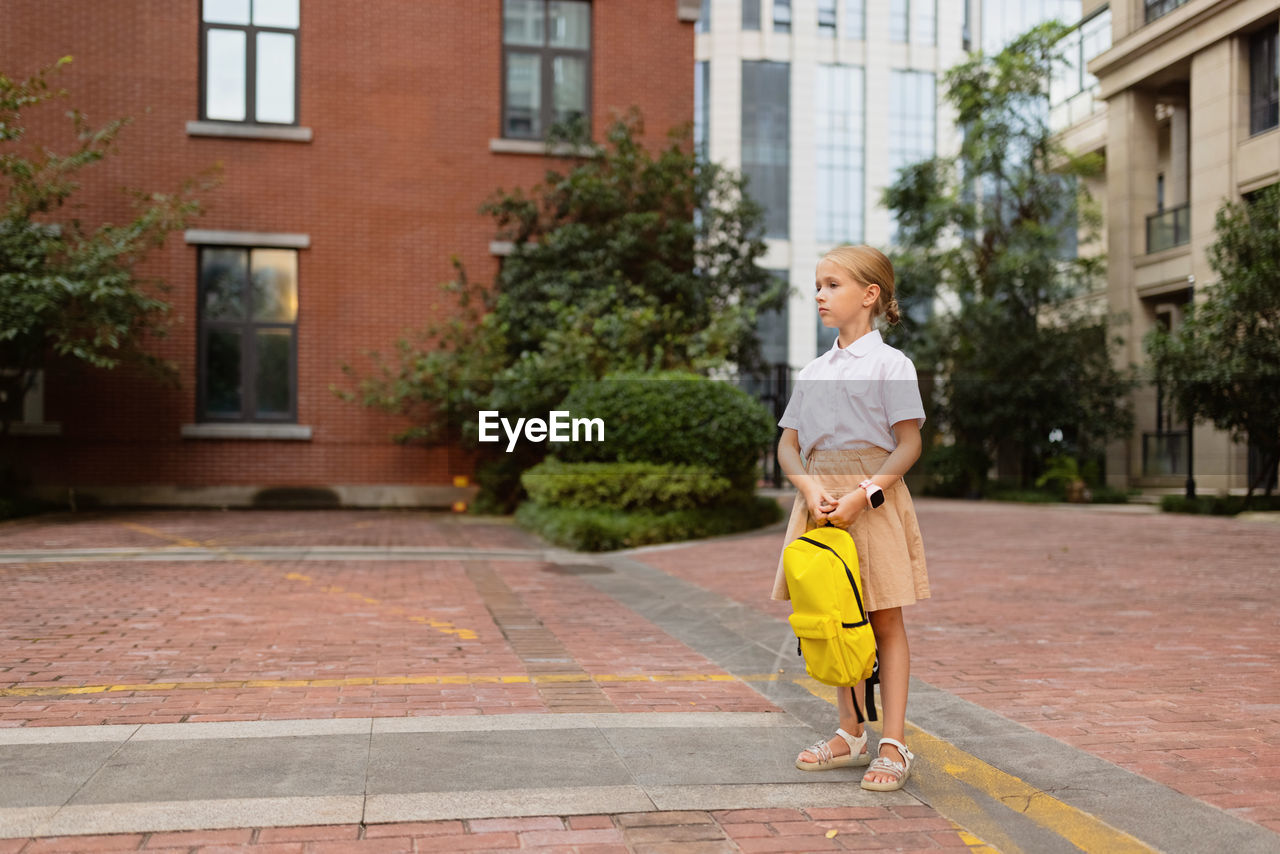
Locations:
{"points": [[1154, 9], [547, 56], [249, 343], [251, 31], [1264, 103]]}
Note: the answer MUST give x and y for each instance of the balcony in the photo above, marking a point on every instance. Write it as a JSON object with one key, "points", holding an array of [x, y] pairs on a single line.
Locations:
{"points": [[1159, 8], [1168, 229], [1164, 454]]}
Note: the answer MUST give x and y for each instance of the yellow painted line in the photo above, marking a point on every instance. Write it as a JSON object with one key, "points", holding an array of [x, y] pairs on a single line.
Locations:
{"points": [[1076, 826], [446, 679], [973, 843], [161, 535], [439, 625]]}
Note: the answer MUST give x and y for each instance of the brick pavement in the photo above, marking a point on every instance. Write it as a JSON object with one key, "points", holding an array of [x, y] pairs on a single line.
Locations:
{"points": [[214, 626], [899, 829], [1147, 640]]}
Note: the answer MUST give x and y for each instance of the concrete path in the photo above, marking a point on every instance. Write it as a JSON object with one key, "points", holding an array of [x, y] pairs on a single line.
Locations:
{"points": [[398, 681]]}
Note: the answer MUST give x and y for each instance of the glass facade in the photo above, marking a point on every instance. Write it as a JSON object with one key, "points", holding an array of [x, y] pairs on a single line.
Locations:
{"points": [[1073, 90], [914, 21], [913, 117], [1004, 20], [766, 145], [840, 151]]}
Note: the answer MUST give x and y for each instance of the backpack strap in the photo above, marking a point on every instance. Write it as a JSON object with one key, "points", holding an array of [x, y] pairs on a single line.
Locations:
{"points": [[870, 692]]}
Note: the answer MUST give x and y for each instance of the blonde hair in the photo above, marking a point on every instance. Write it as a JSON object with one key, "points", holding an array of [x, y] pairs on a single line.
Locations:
{"points": [[868, 266]]}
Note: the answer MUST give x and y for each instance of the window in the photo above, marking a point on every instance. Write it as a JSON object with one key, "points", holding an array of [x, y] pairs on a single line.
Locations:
{"points": [[1159, 8], [249, 70], [1264, 82], [1004, 20], [766, 145], [751, 14], [827, 18], [912, 118], [704, 17], [914, 21], [701, 108], [840, 142], [248, 334], [546, 61], [912, 121], [782, 16], [899, 15], [855, 20], [1072, 89]]}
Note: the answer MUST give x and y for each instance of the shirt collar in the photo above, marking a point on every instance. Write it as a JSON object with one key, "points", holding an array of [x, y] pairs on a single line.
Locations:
{"points": [[860, 347]]}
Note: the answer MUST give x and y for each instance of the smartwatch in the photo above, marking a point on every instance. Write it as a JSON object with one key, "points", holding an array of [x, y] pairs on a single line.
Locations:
{"points": [[875, 495]]}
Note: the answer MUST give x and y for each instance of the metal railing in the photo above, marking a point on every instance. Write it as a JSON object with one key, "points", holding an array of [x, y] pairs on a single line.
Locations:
{"points": [[1169, 228], [1164, 453]]}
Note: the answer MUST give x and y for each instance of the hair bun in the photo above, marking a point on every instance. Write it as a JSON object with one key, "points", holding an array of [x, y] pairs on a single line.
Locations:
{"points": [[891, 312]]}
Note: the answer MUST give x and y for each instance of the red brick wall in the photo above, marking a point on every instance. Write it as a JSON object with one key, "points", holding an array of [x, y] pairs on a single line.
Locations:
{"points": [[403, 97]]}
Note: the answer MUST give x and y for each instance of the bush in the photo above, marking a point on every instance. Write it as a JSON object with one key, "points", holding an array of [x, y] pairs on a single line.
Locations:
{"points": [[1218, 505], [955, 471], [674, 419], [623, 486], [1103, 494], [605, 530]]}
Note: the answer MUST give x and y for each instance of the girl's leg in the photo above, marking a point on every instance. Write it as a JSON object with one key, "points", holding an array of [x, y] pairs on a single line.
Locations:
{"points": [[895, 672], [848, 722]]}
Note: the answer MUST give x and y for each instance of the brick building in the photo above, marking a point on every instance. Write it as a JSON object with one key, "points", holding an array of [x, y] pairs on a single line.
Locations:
{"points": [[357, 142]]}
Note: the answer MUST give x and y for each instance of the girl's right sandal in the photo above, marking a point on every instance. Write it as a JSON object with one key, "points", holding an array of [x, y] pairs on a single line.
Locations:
{"points": [[899, 770]]}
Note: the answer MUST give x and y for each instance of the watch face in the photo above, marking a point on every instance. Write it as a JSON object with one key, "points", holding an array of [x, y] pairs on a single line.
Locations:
{"points": [[877, 498]]}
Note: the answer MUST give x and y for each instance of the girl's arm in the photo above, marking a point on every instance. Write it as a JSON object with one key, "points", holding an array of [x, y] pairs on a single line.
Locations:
{"points": [[895, 466], [820, 503]]}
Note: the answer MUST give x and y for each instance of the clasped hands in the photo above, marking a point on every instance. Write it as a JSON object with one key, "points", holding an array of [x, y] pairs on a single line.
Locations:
{"points": [[841, 512]]}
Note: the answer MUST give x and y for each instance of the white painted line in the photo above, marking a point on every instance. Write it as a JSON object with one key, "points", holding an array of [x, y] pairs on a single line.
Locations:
{"points": [[629, 720]]}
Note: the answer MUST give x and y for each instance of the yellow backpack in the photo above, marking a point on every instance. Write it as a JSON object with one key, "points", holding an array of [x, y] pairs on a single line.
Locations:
{"points": [[830, 619]]}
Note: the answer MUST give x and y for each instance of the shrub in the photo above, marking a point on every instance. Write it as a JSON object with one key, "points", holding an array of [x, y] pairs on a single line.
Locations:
{"points": [[955, 471], [673, 419], [623, 486], [586, 529], [1218, 505]]}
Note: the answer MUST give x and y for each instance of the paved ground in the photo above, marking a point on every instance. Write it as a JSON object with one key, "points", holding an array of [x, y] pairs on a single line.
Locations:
{"points": [[1086, 679]]}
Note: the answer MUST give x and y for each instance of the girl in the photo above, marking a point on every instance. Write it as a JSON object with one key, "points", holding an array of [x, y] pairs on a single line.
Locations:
{"points": [[855, 415]]}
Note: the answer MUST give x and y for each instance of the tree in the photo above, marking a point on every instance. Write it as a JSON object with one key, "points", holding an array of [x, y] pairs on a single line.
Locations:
{"points": [[630, 260], [1223, 362], [990, 230], [67, 291]]}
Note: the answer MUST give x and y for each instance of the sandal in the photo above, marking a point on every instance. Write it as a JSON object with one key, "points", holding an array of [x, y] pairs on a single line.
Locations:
{"points": [[828, 760], [899, 770]]}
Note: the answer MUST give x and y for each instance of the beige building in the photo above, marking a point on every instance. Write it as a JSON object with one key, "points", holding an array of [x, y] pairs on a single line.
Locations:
{"points": [[1181, 97]]}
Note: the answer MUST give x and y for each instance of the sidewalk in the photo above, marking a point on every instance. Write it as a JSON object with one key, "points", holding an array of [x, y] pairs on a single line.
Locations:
{"points": [[435, 683]]}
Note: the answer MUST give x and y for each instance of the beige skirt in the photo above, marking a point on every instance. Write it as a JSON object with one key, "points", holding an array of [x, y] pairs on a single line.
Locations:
{"points": [[890, 548]]}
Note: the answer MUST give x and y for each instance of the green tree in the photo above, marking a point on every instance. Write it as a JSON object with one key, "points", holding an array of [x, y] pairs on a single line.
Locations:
{"points": [[630, 260], [68, 291], [1223, 362], [990, 229]]}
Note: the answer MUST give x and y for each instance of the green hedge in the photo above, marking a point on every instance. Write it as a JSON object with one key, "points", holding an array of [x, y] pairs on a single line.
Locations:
{"points": [[673, 418], [623, 486], [606, 530], [1218, 505]]}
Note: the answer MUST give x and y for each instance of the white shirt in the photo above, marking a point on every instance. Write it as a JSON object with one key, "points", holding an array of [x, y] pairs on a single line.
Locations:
{"points": [[854, 395]]}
